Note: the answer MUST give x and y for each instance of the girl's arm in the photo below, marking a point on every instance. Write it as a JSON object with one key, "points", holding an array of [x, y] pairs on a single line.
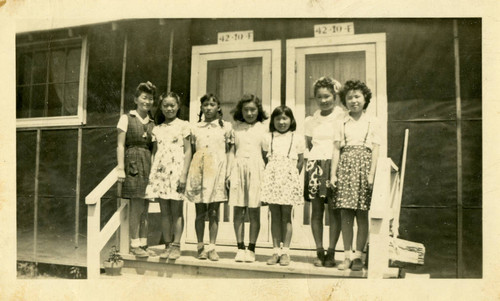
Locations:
{"points": [[300, 162], [375, 153], [187, 161], [230, 159], [120, 154], [335, 163]]}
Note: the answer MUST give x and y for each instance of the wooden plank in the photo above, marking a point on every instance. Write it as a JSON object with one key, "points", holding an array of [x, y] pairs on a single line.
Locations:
{"points": [[77, 193], [170, 61], [460, 265], [124, 70], [103, 186], [110, 227], [93, 250], [37, 173], [124, 227]]}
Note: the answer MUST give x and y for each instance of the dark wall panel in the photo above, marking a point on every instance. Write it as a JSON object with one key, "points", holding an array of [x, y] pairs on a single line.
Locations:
{"points": [[104, 75], [25, 162], [58, 155], [473, 243], [469, 33], [437, 230], [472, 175], [431, 169]]}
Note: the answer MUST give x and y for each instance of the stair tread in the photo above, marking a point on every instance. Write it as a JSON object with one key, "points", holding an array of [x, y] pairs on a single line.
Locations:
{"points": [[301, 262]]}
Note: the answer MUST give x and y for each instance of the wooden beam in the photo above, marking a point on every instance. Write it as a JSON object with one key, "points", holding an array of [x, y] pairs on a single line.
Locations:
{"points": [[102, 187], [78, 177], [111, 226], [170, 61], [37, 172], [124, 70], [460, 265]]}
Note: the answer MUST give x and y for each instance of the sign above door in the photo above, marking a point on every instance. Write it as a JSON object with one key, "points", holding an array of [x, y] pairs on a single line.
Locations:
{"points": [[235, 37], [334, 29]]}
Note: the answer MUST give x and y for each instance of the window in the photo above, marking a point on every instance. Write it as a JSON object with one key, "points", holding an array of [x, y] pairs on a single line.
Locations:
{"points": [[50, 83]]}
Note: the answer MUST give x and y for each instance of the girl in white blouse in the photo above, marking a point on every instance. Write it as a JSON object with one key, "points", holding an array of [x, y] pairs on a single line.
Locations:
{"points": [[355, 154]]}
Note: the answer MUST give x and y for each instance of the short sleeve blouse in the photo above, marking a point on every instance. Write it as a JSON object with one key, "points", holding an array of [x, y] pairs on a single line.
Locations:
{"points": [[173, 132], [364, 131], [281, 144], [321, 130], [211, 136], [249, 139], [123, 121]]}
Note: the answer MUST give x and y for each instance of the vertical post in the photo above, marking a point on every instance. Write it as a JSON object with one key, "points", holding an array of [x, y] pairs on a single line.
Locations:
{"points": [[78, 177], [459, 151], [124, 227], [124, 70], [37, 171], [93, 246], [170, 61]]}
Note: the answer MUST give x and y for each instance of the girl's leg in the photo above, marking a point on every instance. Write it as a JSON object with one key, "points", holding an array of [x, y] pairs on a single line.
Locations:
{"points": [[239, 224], [254, 214], [347, 217], [136, 221], [335, 227], [166, 220], [177, 219], [318, 207], [275, 232], [286, 230], [143, 231], [199, 223], [213, 221], [362, 221]]}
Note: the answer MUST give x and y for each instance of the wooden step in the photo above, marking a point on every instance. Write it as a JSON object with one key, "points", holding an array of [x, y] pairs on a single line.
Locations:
{"points": [[188, 266]]}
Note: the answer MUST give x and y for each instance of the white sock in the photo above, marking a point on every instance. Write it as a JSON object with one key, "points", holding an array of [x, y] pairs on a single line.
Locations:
{"points": [[143, 241], [286, 250], [277, 251], [357, 254], [347, 254], [135, 242], [210, 247]]}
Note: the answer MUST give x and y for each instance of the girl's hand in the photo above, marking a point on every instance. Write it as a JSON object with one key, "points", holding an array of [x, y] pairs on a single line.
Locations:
{"points": [[181, 188], [333, 181], [121, 175], [370, 180]]}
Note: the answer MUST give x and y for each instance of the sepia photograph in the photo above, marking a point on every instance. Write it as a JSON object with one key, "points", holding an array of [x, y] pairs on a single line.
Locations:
{"points": [[313, 150]]}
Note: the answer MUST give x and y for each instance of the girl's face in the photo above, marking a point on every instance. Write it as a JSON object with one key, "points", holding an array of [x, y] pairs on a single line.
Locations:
{"points": [[355, 101], [144, 101], [250, 112], [282, 123], [325, 99], [169, 108], [210, 108]]}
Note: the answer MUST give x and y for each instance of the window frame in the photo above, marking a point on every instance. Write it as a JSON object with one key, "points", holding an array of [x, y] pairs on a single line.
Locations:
{"points": [[81, 116]]}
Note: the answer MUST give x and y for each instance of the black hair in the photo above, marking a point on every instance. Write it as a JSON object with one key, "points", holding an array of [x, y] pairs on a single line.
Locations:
{"points": [[351, 85], [146, 87], [159, 117], [246, 98], [327, 82], [283, 110], [210, 96]]}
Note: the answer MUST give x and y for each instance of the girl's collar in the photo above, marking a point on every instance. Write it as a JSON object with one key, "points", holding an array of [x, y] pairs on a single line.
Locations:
{"points": [[348, 117], [134, 113]]}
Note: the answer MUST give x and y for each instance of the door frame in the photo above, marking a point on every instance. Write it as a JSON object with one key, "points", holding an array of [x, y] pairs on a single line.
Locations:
{"points": [[270, 52], [374, 46]]}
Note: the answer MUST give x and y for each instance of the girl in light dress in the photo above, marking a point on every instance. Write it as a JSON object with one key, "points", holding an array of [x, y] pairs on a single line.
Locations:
{"points": [[356, 150], [212, 141], [246, 172], [167, 181], [281, 186]]}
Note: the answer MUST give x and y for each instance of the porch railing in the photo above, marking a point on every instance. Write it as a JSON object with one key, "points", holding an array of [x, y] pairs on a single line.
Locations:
{"points": [[97, 238]]}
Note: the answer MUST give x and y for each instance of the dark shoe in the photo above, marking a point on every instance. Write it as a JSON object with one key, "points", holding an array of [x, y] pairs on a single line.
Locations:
{"points": [[274, 259], [357, 264], [346, 264], [175, 252], [139, 252], [212, 255], [202, 254], [284, 259], [320, 258], [330, 259]]}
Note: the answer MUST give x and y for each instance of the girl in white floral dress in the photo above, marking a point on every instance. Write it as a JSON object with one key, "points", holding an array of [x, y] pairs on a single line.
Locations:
{"points": [[281, 187], [167, 180]]}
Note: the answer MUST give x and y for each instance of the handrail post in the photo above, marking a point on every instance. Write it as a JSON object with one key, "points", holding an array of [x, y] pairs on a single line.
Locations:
{"points": [[93, 231], [124, 227]]}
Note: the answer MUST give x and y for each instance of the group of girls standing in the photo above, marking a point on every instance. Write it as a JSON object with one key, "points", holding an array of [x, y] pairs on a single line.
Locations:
{"points": [[252, 164]]}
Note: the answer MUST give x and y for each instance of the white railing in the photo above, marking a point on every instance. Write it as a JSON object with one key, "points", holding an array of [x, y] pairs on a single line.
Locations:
{"points": [[97, 238], [384, 212]]}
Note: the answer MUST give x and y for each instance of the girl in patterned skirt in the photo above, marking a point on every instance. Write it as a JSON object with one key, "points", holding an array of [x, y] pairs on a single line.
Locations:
{"points": [[206, 183], [356, 150], [134, 164], [281, 187], [167, 181]]}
